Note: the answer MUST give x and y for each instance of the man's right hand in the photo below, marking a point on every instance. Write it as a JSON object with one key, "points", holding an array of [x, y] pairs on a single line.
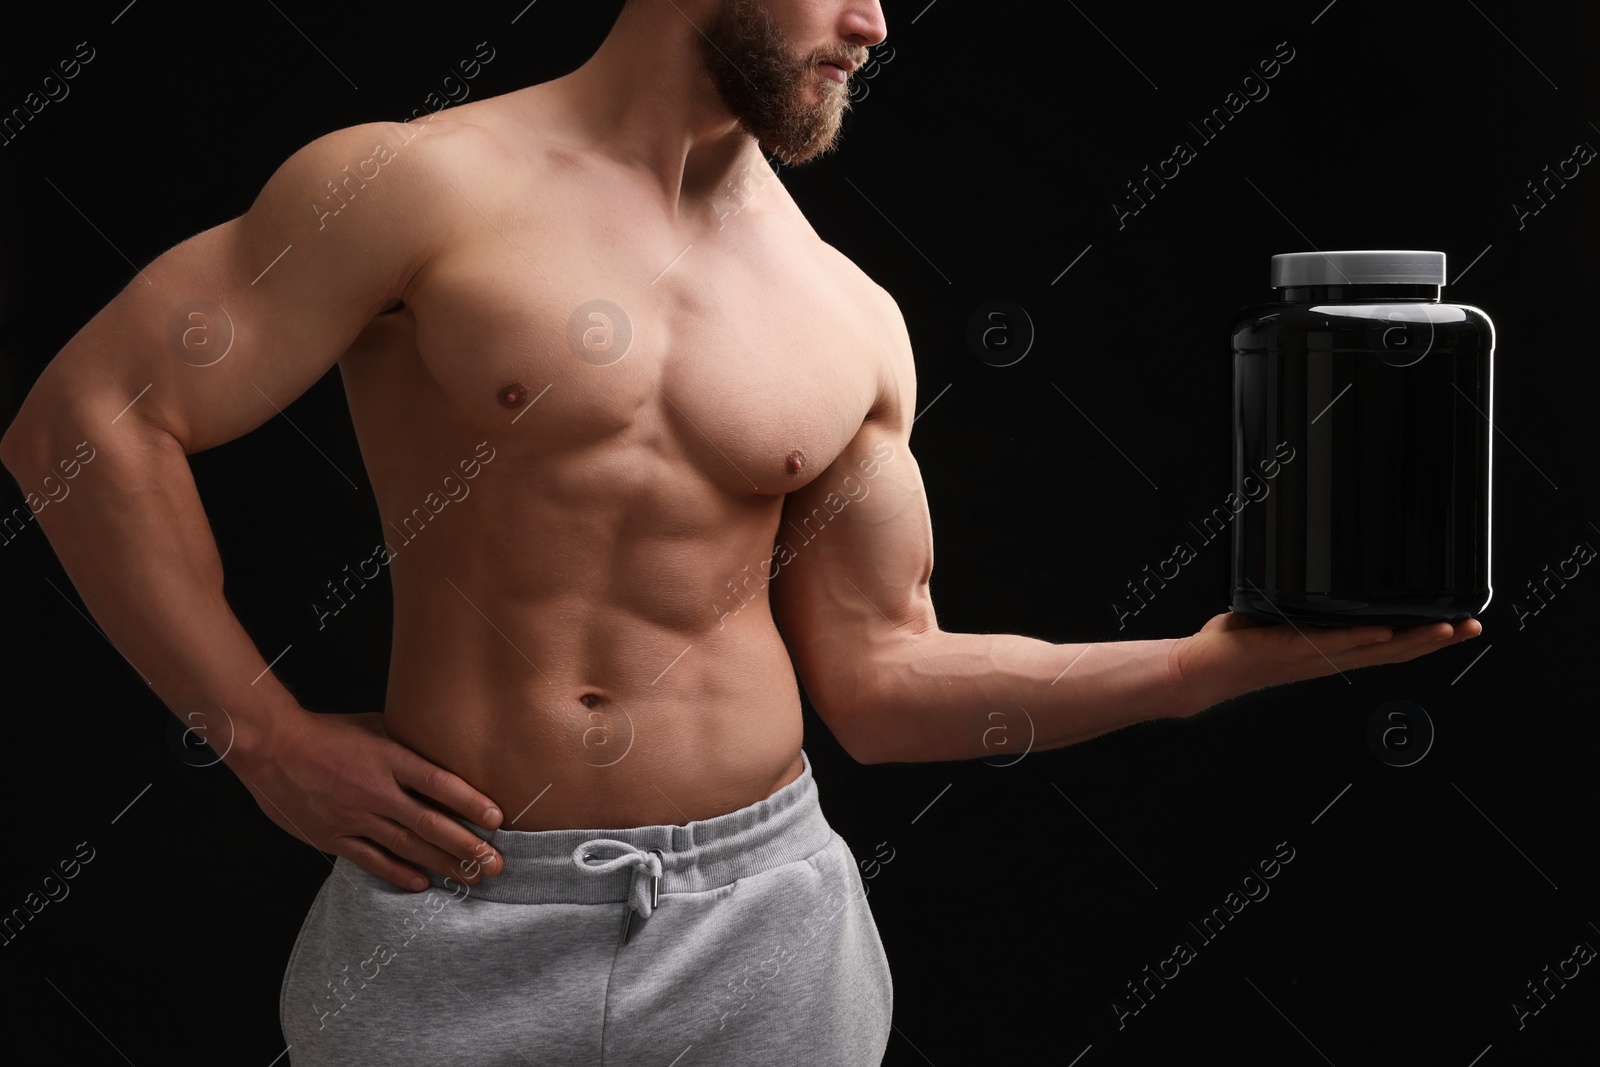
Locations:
{"points": [[339, 782]]}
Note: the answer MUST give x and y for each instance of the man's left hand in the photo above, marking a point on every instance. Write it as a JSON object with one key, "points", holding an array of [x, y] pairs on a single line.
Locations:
{"points": [[1233, 654]]}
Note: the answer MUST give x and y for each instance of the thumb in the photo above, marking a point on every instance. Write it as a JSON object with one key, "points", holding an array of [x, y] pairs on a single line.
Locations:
{"points": [[1230, 620]]}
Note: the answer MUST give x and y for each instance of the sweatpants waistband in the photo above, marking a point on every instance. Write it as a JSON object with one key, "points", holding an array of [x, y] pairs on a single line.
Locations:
{"points": [[634, 864]]}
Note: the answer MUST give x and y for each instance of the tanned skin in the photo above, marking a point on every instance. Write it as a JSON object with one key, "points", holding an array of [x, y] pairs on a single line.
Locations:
{"points": [[597, 632]]}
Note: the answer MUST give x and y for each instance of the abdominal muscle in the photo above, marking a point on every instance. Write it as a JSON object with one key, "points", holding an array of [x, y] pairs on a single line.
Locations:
{"points": [[582, 702]]}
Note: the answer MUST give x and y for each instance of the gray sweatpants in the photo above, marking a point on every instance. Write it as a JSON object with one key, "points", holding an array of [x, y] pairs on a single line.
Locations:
{"points": [[748, 941]]}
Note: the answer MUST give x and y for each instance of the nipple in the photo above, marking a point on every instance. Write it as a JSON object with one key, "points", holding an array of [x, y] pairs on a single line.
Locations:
{"points": [[795, 462], [512, 395]]}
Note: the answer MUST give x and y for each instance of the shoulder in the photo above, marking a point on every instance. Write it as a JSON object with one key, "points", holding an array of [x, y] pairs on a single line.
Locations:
{"points": [[372, 180], [394, 192], [412, 161], [887, 343]]}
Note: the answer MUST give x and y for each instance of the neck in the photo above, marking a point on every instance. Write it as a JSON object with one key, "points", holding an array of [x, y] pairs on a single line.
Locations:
{"points": [[645, 99]]}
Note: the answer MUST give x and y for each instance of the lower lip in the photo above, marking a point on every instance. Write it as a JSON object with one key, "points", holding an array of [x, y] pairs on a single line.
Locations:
{"points": [[838, 74]]}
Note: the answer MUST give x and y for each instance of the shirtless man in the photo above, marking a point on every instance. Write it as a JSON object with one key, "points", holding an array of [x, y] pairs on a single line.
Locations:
{"points": [[677, 425]]}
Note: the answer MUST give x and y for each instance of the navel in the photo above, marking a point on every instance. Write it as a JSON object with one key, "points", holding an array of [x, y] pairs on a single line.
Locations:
{"points": [[589, 700], [512, 395], [796, 461]]}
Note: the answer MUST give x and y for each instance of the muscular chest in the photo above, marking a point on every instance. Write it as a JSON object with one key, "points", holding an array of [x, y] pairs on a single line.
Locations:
{"points": [[743, 351]]}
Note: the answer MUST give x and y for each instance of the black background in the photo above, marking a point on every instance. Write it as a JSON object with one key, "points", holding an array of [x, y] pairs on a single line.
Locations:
{"points": [[981, 162]]}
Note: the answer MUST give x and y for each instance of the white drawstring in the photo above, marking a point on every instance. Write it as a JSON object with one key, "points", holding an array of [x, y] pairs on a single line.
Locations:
{"points": [[642, 897]]}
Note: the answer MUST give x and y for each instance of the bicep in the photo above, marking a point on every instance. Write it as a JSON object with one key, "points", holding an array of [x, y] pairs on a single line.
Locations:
{"points": [[219, 333], [856, 554]]}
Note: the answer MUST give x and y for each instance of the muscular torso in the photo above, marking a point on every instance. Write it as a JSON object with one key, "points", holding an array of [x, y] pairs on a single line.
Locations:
{"points": [[578, 537]]}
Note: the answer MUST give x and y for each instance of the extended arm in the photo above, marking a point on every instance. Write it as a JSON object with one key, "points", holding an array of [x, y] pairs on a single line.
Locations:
{"points": [[207, 342], [854, 607]]}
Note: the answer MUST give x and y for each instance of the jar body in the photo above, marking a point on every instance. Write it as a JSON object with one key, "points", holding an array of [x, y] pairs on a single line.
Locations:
{"points": [[1374, 412]]}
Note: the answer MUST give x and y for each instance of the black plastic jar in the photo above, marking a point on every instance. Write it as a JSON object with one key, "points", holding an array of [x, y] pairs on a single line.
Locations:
{"points": [[1362, 441]]}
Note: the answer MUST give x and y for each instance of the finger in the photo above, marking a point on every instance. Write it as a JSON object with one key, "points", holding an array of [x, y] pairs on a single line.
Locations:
{"points": [[1412, 642], [375, 861], [463, 851], [444, 788], [1363, 636], [1464, 631], [1453, 635], [1415, 640], [1425, 633], [409, 846], [1354, 645], [1418, 653]]}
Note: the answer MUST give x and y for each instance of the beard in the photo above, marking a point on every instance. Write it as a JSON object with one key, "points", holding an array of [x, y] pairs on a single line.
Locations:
{"points": [[765, 86]]}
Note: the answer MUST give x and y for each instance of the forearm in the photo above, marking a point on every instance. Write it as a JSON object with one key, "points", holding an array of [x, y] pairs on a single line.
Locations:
{"points": [[945, 696], [132, 535]]}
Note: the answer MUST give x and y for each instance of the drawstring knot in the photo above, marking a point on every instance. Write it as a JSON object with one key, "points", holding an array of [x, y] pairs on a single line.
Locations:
{"points": [[645, 888]]}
